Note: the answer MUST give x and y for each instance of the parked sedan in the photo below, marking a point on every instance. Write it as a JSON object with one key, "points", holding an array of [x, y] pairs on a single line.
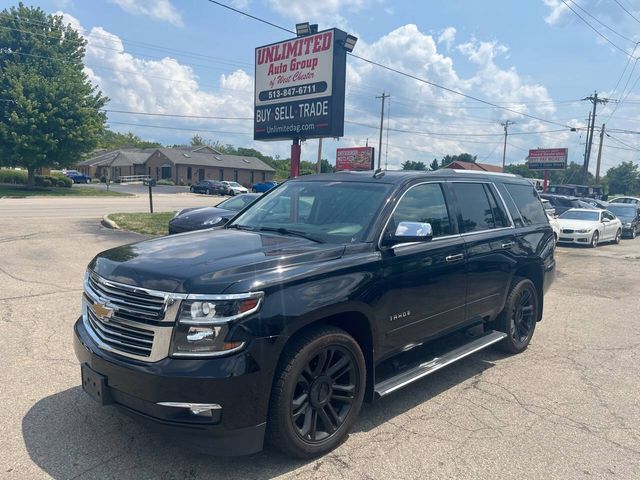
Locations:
{"points": [[233, 188], [200, 218], [589, 227], [629, 215], [77, 177], [630, 200], [263, 186], [595, 203], [561, 203], [208, 187]]}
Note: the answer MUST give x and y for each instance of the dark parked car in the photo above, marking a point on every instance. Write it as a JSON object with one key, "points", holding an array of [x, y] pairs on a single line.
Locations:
{"points": [[200, 218], [263, 186], [208, 187], [77, 177], [593, 202], [329, 291], [629, 215], [562, 203]]}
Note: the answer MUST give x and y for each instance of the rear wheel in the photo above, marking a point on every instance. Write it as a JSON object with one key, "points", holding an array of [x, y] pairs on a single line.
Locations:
{"points": [[594, 239], [317, 393], [519, 317], [618, 237]]}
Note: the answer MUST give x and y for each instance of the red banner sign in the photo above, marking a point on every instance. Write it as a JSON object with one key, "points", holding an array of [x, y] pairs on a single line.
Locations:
{"points": [[355, 158]]}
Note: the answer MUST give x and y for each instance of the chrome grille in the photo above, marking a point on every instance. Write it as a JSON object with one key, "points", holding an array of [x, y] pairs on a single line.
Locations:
{"points": [[130, 321], [121, 336], [131, 303]]}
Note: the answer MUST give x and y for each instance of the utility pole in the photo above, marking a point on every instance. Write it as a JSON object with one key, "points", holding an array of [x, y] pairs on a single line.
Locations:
{"points": [[383, 97], [595, 100], [599, 154], [586, 140], [506, 133], [319, 167]]}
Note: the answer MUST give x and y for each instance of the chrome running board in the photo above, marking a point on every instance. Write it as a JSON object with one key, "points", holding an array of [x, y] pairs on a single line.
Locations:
{"points": [[406, 377]]}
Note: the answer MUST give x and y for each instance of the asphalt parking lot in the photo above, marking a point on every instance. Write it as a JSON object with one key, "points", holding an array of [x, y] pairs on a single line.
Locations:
{"points": [[566, 408]]}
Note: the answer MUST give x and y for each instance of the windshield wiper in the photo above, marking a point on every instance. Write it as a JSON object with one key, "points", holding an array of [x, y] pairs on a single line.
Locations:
{"points": [[286, 231], [240, 227]]}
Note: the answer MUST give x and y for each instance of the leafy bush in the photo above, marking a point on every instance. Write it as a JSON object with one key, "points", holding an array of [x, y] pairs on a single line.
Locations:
{"points": [[103, 179], [60, 183], [165, 181], [13, 176], [61, 180]]}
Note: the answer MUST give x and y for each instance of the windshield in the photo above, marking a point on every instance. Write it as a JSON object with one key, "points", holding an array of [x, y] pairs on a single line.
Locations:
{"points": [[233, 184], [623, 211], [333, 212], [581, 215], [237, 203]]}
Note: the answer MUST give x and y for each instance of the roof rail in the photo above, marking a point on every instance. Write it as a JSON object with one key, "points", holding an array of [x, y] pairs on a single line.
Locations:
{"points": [[458, 170]]}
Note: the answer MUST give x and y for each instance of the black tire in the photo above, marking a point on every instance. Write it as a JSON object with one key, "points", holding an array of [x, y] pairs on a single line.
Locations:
{"points": [[254, 190], [618, 237], [232, 193], [192, 190], [519, 317], [633, 233], [320, 383], [207, 191], [594, 239]]}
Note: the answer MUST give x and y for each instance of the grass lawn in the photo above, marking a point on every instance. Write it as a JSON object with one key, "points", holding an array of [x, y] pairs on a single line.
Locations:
{"points": [[147, 223], [22, 191]]}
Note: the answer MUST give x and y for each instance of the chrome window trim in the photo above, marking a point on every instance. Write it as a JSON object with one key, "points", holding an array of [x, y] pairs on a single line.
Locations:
{"points": [[386, 224]]}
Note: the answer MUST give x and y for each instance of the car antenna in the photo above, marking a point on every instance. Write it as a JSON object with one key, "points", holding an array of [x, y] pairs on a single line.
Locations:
{"points": [[379, 173]]}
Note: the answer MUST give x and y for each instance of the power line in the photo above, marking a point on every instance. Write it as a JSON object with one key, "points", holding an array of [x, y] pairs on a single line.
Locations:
{"points": [[202, 117], [603, 24], [399, 72], [630, 14], [595, 29], [179, 128]]}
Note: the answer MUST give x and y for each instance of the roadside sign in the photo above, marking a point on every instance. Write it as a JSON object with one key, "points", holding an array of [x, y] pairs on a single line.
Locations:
{"points": [[299, 87], [548, 159], [355, 158]]}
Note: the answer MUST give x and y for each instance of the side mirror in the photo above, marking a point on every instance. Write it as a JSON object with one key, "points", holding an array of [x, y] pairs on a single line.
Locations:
{"points": [[605, 220], [224, 220], [407, 232]]}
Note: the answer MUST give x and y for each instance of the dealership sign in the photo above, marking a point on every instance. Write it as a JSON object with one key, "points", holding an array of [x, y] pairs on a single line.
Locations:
{"points": [[548, 159], [355, 158], [299, 87]]}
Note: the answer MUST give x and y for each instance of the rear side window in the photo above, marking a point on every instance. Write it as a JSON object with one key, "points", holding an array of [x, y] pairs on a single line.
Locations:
{"points": [[479, 208], [528, 203], [423, 203]]}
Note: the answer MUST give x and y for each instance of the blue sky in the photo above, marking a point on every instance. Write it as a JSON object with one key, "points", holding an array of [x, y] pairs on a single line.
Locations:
{"points": [[192, 57]]}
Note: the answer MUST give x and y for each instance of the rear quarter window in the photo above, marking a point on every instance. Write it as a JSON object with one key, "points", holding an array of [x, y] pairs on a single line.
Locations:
{"points": [[528, 203]]}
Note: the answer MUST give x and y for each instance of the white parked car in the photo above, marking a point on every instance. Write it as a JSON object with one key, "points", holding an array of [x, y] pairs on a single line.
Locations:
{"points": [[555, 225], [589, 227], [234, 188]]}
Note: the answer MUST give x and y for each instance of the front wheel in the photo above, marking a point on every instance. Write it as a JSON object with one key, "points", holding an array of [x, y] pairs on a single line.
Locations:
{"points": [[254, 190], [317, 393], [594, 239], [207, 191], [519, 317], [232, 193], [633, 233]]}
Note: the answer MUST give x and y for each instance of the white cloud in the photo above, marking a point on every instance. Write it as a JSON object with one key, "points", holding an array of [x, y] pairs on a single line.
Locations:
{"points": [[557, 11], [326, 13], [162, 10], [448, 36]]}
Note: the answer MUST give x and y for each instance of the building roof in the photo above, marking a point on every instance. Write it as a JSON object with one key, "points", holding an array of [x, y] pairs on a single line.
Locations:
{"points": [[483, 167], [180, 157], [119, 157]]}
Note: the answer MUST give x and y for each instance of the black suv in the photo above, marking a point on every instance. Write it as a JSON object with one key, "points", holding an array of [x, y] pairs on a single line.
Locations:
{"points": [[208, 187], [328, 291]]}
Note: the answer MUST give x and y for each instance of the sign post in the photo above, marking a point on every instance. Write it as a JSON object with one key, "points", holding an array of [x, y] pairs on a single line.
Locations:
{"points": [[300, 89], [546, 159]]}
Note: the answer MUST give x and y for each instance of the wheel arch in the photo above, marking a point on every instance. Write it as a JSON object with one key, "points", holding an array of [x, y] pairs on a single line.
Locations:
{"points": [[534, 272]]}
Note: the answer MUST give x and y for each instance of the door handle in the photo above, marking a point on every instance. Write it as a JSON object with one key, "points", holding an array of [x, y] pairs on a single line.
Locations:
{"points": [[454, 258], [508, 245]]}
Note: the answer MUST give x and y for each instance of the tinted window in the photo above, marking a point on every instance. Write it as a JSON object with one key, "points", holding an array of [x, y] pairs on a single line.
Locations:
{"points": [[423, 203], [623, 211], [608, 215], [475, 208], [581, 215], [527, 201], [499, 216]]}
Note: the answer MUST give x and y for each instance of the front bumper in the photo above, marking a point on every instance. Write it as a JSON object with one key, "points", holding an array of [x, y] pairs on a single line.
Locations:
{"points": [[240, 384], [579, 238]]}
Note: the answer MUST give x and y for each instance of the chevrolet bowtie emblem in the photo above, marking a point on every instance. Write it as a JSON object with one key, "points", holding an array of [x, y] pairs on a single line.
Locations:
{"points": [[101, 311]]}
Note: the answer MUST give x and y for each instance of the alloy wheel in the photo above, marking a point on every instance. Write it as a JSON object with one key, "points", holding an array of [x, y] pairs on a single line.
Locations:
{"points": [[594, 239], [523, 320], [324, 393]]}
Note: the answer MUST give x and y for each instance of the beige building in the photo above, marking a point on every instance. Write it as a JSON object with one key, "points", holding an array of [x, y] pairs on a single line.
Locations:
{"points": [[182, 165]]}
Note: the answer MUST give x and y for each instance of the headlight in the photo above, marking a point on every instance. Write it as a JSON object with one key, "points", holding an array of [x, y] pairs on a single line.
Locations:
{"points": [[204, 323], [584, 230], [627, 225], [213, 221]]}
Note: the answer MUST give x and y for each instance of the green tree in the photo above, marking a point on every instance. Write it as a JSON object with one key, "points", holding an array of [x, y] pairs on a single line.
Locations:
{"points": [[112, 140], [411, 165], [463, 157], [522, 169], [50, 113], [434, 165], [623, 179]]}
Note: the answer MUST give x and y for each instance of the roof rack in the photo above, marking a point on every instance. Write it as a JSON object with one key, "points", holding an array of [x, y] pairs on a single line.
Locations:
{"points": [[458, 170]]}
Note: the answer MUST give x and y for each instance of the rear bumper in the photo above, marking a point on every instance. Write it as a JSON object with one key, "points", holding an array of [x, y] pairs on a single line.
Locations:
{"points": [[240, 384]]}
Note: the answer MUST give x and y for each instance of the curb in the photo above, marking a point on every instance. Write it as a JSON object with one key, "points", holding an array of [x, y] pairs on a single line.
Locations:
{"points": [[107, 222]]}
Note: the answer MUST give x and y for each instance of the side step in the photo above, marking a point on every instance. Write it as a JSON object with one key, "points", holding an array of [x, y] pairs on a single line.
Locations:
{"points": [[388, 385]]}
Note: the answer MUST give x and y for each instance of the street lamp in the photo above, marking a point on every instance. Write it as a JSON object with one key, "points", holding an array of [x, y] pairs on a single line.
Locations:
{"points": [[350, 43]]}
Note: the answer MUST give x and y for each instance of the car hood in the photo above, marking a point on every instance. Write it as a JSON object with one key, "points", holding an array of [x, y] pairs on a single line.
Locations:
{"points": [[207, 261], [199, 215], [577, 224]]}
